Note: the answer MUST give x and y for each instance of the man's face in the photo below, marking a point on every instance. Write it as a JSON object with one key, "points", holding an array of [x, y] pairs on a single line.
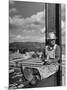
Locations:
{"points": [[52, 42]]}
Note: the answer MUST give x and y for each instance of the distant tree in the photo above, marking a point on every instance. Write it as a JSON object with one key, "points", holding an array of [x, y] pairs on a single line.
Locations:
{"points": [[25, 50], [39, 49], [34, 55], [21, 50]]}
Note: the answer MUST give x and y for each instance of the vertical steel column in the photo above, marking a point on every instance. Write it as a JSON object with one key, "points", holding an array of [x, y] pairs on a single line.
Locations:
{"points": [[58, 34], [53, 24], [46, 20], [50, 17]]}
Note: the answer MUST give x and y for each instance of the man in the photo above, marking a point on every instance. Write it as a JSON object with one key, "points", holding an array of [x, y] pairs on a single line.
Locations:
{"points": [[50, 57], [52, 50]]}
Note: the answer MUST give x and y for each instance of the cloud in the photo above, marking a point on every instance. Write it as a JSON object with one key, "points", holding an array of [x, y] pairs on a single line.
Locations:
{"points": [[11, 37], [34, 22], [11, 1], [28, 31], [43, 30], [16, 20], [29, 28], [42, 39], [63, 11], [12, 10], [19, 37]]}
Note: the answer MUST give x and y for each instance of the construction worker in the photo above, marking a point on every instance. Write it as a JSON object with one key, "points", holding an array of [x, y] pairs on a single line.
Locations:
{"points": [[51, 53], [50, 57], [52, 50]]}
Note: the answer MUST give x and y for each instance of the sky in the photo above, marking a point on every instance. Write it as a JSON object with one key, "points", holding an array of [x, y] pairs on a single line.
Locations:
{"points": [[26, 21]]}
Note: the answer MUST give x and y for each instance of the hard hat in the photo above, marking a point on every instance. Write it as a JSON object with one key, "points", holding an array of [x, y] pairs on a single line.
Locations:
{"points": [[51, 35]]}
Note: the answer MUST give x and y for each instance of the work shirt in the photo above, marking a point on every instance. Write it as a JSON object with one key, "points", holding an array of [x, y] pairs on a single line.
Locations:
{"points": [[52, 53]]}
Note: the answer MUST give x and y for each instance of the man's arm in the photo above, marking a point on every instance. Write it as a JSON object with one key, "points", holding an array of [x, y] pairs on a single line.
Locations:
{"points": [[43, 57], [57, 53]]}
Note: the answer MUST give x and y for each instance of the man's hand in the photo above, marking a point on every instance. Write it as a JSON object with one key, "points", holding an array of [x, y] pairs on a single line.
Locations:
{"points": [[48, 61]]}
